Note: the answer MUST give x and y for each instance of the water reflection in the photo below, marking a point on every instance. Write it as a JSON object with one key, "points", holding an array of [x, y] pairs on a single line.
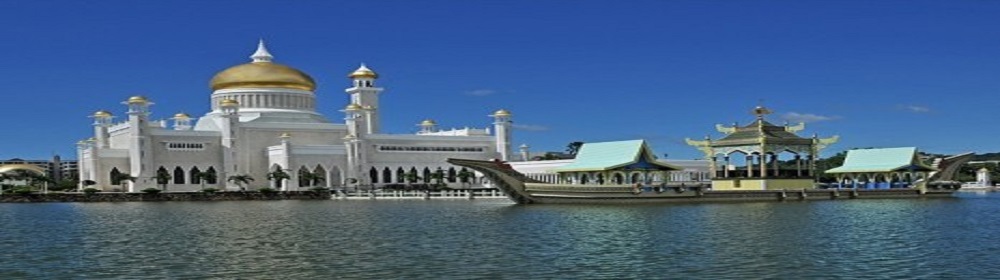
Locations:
{"points": [[937, 238]]}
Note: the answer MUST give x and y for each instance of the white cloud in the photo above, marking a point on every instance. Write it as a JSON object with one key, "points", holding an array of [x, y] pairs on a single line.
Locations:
{"points": [[916, 108], [481, 92], [805, 117], [529, 127]]}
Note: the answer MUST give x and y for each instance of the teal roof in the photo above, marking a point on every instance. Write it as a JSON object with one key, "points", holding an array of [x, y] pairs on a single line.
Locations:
{"points": [[603, 156], [881, 160]]}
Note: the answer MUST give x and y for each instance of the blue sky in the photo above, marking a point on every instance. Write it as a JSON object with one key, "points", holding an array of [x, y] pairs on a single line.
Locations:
{"points": [[877, 73]]}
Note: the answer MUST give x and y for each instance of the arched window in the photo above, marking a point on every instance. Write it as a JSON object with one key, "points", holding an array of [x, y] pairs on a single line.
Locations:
{"points": [[116, 176], [212, 178], [400, 175], [386, 175], [451, 175], [305, 177], [584, 179], [373, 173], [427, 175], [195, 179], [178, 176]]}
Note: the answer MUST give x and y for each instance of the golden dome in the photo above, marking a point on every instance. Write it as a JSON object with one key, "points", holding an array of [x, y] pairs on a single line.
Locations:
{"points": [[182, 116], [262, 74], [229, 103], [428, 122], [353, 107], [501, 113], [137, 99], [363, 72], [102, 114], [285, 135]]}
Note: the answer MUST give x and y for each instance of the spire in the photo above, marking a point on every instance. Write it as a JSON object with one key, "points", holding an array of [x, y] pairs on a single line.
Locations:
{"points": [[261, 55]]}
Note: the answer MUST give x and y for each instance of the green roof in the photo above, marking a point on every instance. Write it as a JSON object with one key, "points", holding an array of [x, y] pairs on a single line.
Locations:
{"points": [[760, 129], [610, 155], [881, 160]]}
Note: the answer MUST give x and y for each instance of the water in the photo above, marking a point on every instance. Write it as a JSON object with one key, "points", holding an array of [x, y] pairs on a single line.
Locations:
{"points": [[461, 239]]}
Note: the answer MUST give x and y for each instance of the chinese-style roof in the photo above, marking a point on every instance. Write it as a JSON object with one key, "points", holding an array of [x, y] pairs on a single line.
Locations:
{"points": [[759, 130], [881, 160], [602, 156]]}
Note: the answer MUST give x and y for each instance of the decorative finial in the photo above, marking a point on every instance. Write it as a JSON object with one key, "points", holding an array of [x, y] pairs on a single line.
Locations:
{"points": [[760, 111], [261, 55]]}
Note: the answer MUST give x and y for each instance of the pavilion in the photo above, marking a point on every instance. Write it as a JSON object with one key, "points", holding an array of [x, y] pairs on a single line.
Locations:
{"points": [[762, 145], [881, 169], [618, 162]]}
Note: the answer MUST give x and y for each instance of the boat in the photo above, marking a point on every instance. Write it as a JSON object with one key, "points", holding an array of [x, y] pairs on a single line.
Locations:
{"points": [[524, 190]]}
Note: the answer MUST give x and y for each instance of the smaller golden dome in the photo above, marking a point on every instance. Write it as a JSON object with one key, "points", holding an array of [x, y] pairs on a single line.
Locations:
{"points": [[182, 116], [368, 107], [102, 114], [363, 72], [285, 135], [353, 107], [428, 122], [138, 99], [229, 103], [501, 113]]}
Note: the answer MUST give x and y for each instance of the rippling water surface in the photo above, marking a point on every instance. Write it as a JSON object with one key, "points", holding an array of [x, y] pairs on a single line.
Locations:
{"points": [[461, 239]]}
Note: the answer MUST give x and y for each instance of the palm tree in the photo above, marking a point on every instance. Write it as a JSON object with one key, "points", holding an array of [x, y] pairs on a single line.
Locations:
{"points": [[123, 179], [310, 178], [204, 176], [438, 177], [277, 176], [162, 178], [464, 175], [240, 180], [412, 177]]}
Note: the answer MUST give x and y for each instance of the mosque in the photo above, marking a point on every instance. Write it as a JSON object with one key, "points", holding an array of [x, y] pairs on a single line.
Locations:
{"points": [[263, 121]]}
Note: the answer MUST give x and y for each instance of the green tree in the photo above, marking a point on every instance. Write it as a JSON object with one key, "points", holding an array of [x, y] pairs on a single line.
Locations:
{"points": [[162, 178], [277, 176], [310, 178], [464, 176], [240, 180], [438, 177], [412, 177], [123, 179], [573, 147], [203, 177]]}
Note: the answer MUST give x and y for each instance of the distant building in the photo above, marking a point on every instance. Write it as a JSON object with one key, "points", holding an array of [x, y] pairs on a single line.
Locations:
{"points": [[613, 163], [55, 168]]}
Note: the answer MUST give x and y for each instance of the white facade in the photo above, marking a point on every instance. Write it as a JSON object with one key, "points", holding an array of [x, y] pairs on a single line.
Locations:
{"points": [[263, 119]]}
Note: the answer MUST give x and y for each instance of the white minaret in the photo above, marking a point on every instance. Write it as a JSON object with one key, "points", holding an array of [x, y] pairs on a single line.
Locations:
{"points": [[353, 119], [140, 149], [524, 152], [364, 93], [427, 126], [501, 125], [182, 121], [231, 113], [261, 55], [983, 177], [102, 120]]}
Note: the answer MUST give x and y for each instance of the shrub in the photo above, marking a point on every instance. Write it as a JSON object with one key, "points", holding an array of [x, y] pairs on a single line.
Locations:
{"points": [[209, 190], [90, 190], [151, 190], [267, 190], [22, 191], [318, 189]]}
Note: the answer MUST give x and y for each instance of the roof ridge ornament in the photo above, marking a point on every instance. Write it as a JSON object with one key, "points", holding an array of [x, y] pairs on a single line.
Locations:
{"points": [[261, 55]]}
